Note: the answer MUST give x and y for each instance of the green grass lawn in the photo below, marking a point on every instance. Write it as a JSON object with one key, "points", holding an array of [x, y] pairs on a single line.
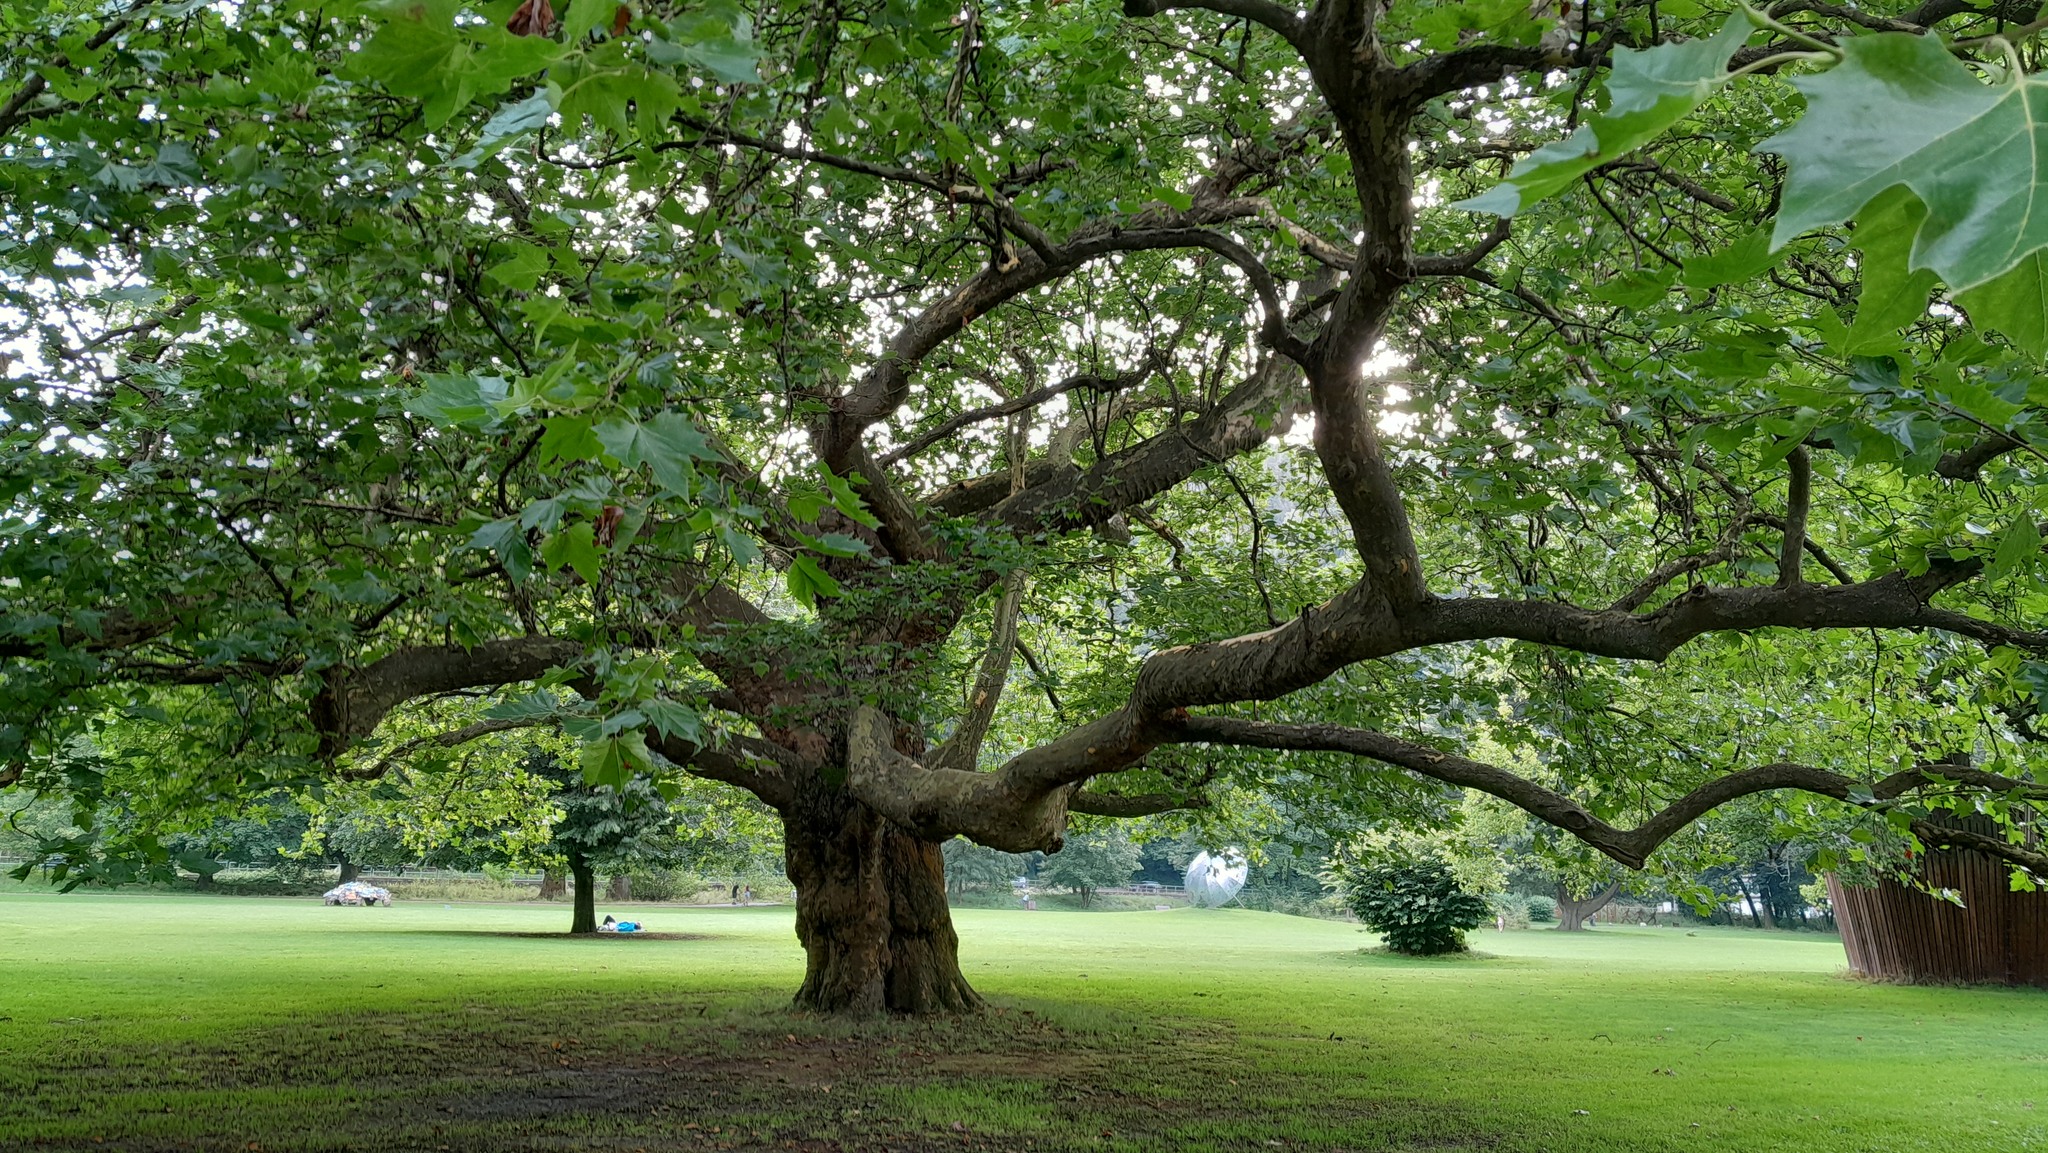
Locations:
{"points": [[180, 1023]]}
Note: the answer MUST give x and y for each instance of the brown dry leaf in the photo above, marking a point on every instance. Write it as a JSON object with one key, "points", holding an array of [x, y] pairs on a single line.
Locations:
{"points": [[608, 525], [620, 19], [534, 18]]}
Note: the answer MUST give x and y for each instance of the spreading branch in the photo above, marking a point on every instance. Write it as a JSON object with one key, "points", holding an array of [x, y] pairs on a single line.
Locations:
{"points": [[352, 702], [1631, 847], [1264, 13]]}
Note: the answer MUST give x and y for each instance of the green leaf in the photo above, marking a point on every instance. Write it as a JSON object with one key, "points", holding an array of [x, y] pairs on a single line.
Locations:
{"points": [[1892, 295], [1746, 259], [1636, 288], [667, 444], [452, 399], [614, 760], [419, 52], [674, 719], [1648, 92], [575, 546], [2020, 544], [2014, 303], [807, 582], [727, 59], [585, 16], [1902, 109], [569, 438], [511, 122]]}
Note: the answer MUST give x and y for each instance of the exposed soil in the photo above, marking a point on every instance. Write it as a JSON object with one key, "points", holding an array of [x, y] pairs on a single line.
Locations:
{"points": [[572, 1075]]}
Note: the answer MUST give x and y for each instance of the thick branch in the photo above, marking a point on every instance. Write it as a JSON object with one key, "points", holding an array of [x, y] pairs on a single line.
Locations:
{"points": [[1358, 625], [963, 749], [1018, 404], [1133, 805], [1464, 262], [1631, 847], [885, 386], [118, 629], [1664, 574], [1967, 463], [1798, 498], [352, 702], [939, 803], [1449, 72], [1261, 12], [1260, 408], [758, 766]]}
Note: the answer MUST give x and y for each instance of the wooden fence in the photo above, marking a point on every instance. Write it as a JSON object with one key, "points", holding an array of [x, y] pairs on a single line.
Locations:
{"points": [[1896, 933]]}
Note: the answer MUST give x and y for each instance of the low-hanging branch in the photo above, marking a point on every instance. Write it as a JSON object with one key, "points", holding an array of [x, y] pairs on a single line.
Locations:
{"points": [[1631, 847]]}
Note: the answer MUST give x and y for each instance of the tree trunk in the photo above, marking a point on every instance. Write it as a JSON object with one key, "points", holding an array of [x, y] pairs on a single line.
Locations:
{"points": [[1572, 915], [621, 888], [553, 887], [1742, 887], [584, 917], [349, 869], [870, 911]]}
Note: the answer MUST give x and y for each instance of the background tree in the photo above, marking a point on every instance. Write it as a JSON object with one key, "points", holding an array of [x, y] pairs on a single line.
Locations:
{"points": [[602, 827], [1101, 858], [972, 866]]}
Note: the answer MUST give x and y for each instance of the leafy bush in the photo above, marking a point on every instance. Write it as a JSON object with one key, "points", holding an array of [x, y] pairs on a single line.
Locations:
{"points": [[657, 884], [1418, 904], [1542, 910]]}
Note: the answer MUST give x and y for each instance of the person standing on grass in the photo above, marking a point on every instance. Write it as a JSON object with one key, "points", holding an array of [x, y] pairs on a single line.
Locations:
{"points": [[735, 893]]}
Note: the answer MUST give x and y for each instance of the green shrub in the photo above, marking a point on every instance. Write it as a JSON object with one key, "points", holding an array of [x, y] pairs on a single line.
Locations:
{"points": [[665, 884], [1542, 910], [1419, 905]]}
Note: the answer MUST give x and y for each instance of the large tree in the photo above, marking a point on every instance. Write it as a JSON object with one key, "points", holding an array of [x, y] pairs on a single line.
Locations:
{"points": [[774, 375]]}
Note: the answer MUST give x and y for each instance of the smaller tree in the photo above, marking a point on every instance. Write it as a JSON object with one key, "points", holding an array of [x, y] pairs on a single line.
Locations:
{"points": [[1416, 901], [1097, 859], [603, 826], [972, 866]]}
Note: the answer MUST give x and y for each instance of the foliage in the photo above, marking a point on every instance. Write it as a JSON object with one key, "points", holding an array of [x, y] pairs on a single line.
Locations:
{"points": [[1101, 858], [1416, 902], [606, 827], [977, 867], [390, 386]]}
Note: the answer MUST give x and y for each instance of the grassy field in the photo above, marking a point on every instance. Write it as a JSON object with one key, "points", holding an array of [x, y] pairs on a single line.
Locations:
{"points": [[191, 1023]]}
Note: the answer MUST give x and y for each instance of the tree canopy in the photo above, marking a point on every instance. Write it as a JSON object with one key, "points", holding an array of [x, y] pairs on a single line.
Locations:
{"points": [[1306, 398]]}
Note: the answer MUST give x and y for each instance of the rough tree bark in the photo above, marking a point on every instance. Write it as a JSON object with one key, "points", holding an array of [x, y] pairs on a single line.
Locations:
{"points": [[553, 886], [583, 918], [621, 888], [870, 910], [349, 869], [1572, 914]]}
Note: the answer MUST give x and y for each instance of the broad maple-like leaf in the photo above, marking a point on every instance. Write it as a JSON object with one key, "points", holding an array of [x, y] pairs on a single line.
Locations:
{"points": [[1901, 109], [1647, 93]]}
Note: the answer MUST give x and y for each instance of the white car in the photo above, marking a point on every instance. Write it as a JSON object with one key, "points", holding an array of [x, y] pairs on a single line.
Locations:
{"points": [[357, 893]]}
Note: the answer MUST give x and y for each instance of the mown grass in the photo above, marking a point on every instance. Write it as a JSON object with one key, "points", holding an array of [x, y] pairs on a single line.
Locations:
{"points": [[188, 1023]]}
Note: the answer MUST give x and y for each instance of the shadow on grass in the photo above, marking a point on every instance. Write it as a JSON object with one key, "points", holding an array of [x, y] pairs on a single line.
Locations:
{"points": [[471, 934], [590, 1073]]}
